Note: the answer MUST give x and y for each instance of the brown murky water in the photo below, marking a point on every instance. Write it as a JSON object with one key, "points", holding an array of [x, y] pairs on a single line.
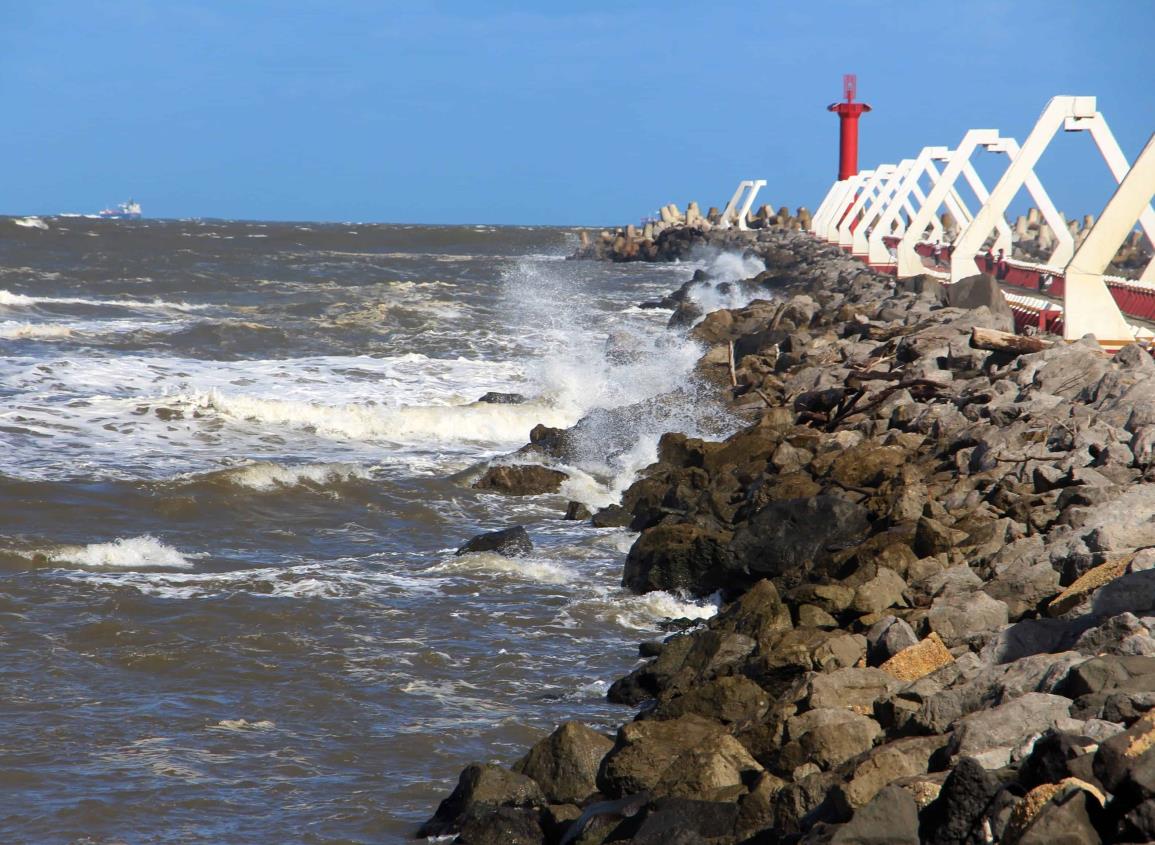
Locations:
{"points": [[234, 465]]}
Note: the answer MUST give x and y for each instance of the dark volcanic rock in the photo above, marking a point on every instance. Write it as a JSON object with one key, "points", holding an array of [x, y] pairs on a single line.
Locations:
{"points": [[788, 539], [481, 788], [521, 480], [679, 557], [495, 398], [511, 542]]}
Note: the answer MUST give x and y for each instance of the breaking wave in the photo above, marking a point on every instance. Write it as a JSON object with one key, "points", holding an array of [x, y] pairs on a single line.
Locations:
{"points": [[124, 554]]}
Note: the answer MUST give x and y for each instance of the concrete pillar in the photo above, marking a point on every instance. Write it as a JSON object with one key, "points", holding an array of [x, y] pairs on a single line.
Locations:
{"points": [[664, 211], [648, 231], [1088, 221], [585, 238], [1021, 227], [1033, 216]]}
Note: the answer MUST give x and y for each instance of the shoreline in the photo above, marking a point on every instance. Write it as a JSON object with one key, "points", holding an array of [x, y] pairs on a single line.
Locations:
{"points": [[936, 587]]}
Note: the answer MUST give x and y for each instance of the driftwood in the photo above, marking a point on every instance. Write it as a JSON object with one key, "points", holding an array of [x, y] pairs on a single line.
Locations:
{"points": [[996, 341]]}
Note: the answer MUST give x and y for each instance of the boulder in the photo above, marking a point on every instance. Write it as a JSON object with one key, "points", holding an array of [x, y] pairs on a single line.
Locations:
{"points": [[495, 398], [577, 511], [956, 816], [510, 542], [732, 700], [521, 480], [852, 688], [887, 637], [565, 764], [481, 789], [919, 660], [958, 616], [990, 736], [503, 826], [680, 557], [717, 772], [882, 591], [644, 750], [891, 818], [786, 539]]}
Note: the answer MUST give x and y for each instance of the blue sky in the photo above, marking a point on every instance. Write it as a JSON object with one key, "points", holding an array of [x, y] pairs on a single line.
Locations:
{"points": [[518, 112]]}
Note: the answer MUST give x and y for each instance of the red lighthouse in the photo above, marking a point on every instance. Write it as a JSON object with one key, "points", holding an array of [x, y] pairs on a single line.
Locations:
{"points": [[848, 114]]}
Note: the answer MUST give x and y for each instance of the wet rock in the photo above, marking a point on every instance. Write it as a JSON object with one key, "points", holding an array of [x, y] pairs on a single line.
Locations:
{"points": [[577, 511], [495, 398], [565, 764], [679, 557], [521, 480], [510, 542], [612, 516], [481, 789]]}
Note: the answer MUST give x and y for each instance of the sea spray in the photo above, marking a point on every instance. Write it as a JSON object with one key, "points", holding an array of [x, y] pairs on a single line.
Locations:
{"points": [[628, 386]]}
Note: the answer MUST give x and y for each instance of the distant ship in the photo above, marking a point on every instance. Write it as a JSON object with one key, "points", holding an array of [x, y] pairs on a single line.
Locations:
{"points": [[124, 211]]}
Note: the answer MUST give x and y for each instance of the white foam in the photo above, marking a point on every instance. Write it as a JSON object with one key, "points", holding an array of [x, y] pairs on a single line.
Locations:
{"points": [[264, 476], [642, 612], [124, 554], [474, 423], [30, 222], [34, 331], [526, 568], [19, 300]]}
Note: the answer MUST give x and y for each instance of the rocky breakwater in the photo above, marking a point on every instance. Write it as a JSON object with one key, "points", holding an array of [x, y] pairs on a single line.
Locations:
{"points": [[677, 234], [938, 564]]}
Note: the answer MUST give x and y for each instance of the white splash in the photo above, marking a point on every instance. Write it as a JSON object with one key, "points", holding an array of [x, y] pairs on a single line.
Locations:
{"points": [[265, 476], [491, 563], [34, 331], [473, 423], [19, 300], [30, 222], [124, 554]]}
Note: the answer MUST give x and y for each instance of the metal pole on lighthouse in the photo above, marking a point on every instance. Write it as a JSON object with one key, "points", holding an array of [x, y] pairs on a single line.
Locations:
{"points": [[848, 113]]}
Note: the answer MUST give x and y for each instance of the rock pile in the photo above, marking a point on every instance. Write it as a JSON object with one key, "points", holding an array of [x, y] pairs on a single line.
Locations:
{"points": [[939, 569], [676, 234]]}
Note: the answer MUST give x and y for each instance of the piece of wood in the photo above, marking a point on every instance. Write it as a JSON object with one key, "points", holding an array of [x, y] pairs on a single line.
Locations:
{"points": [[995, 341], [730, 356]]}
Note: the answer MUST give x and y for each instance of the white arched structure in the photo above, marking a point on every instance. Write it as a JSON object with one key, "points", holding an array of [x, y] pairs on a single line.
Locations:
{"points": [[1072, 114], [1088, 306]]}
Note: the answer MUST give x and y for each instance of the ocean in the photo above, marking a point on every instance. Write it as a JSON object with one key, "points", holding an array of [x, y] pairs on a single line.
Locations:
{"points": [[235, 464]]}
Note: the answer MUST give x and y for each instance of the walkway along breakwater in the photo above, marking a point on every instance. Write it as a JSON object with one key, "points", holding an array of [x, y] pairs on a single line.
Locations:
{"points": [[936, 556]]}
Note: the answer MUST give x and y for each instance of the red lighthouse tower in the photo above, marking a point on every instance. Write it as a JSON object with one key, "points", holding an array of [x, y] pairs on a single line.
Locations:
{"points": [[848, 114]]}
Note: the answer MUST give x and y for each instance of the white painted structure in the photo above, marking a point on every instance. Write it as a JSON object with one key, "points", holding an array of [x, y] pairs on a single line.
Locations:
{"points": [[1088, 306], [733, 213]]}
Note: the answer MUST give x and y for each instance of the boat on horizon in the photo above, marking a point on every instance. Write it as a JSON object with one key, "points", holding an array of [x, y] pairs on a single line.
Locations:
{"points": [[124, 211]]}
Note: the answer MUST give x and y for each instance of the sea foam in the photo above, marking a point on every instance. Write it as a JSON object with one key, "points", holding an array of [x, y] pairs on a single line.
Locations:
{"points": [[124, 554]]}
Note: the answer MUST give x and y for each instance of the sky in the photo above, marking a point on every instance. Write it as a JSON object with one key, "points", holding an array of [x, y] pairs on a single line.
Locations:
{"points": [[495, 111]]}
